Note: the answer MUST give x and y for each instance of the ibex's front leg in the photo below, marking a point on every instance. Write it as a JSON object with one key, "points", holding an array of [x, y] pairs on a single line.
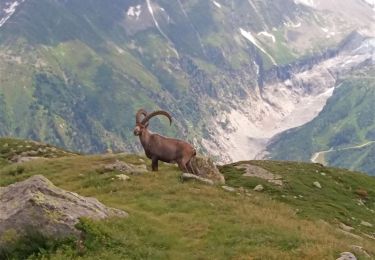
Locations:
{"points": [[154, 164]]}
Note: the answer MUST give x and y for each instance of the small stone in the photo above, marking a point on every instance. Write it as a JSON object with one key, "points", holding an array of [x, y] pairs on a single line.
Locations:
{"points": [[317, 184], [259, 188], [347, 256], [227, 188], [366, 224], [323, 174], [123, 177], [346, 227], [361, 203], [188, 176]]}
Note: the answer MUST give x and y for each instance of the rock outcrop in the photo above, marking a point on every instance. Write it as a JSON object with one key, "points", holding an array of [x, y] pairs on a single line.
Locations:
{"points": [[256, 171], [205, 168], [36, 204]]}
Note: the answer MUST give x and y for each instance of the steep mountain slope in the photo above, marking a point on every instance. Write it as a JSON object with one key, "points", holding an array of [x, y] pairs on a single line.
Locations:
{"points": [[73, 73], [343, 133], [173, 220]]}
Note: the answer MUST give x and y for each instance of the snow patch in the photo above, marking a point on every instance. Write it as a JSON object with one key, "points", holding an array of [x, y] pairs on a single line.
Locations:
{"points": [[371, 2], [149, 7], [12, 7], [292, 25], [134, 11], [252, 39], [328, 33], [310, 3], [267, 34], [9, 11], [217, 4]]}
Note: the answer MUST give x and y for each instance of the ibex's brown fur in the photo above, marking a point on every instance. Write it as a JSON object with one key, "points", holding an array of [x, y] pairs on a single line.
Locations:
{"points": [[161, 148]]}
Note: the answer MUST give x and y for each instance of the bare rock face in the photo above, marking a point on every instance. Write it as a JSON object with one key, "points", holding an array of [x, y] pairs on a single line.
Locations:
{"points": [[36, 204], [205, 168]]}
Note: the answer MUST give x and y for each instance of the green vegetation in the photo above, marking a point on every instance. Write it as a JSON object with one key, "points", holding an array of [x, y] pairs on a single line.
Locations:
{"points": [[345, 125], [173, 220], [338, 199], [10, 148], [73, 74]]}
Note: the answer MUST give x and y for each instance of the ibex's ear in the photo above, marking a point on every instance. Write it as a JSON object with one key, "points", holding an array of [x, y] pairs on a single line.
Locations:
{"points": [[146, 125]]}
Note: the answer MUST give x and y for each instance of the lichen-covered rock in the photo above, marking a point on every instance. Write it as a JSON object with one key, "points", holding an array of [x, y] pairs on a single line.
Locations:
{"points": [[347, 256], [204, 167], [126, 167], [36, 204], [256, 171]]}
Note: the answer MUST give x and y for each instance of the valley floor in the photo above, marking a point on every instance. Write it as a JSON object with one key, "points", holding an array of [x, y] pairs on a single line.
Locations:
{"points": [[319, 156]]}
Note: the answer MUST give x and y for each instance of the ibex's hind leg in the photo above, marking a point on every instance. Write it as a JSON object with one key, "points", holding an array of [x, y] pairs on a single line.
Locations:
{"points": [[182, 166], [154, 164], [191, 168]]}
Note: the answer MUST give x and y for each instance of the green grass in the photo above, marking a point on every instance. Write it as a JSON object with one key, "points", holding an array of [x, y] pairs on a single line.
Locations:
{"points": [[10, 147], [173, 220], [337, 200]]}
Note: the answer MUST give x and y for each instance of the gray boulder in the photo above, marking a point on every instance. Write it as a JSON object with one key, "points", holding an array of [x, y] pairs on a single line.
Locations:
{"points": [[36, 204], [205, 168]]}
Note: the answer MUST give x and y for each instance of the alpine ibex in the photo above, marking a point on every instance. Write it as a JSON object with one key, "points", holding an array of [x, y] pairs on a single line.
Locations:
{"points": [[161, 148]]}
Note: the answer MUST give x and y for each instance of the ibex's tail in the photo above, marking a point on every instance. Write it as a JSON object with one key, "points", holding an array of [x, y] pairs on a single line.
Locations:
{"points": [[194, 170]]}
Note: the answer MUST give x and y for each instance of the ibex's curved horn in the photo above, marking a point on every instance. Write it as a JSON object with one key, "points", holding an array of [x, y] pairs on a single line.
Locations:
{"points": [[140, 112], [155, 113]]}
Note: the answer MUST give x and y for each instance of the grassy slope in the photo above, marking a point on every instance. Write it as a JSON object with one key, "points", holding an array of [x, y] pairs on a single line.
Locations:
{"points": [[346, 121], [174, 220]]}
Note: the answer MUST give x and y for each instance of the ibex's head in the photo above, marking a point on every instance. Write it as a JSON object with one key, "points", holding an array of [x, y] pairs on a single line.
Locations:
{"points": [[141, 125]]}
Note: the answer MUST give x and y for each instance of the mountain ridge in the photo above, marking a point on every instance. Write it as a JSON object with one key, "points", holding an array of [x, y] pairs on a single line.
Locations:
{"points": [[79, 86]]}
